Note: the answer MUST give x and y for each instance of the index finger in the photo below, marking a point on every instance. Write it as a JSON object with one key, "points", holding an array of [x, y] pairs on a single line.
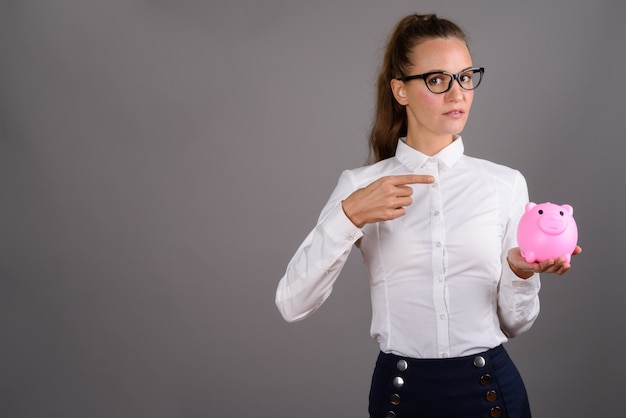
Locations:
{"points": [[412, 179]]}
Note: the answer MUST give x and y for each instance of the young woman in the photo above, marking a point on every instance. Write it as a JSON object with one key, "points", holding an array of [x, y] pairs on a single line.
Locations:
{"points": [[437, 230]]}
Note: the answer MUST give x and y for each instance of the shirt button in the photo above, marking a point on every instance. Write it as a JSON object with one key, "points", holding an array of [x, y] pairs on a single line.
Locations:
{"points": [[438, 244], [436, 213], [445, 355], [442, 316], [440, 278]]}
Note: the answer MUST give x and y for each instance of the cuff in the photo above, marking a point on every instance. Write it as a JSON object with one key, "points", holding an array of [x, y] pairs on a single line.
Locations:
{"points": [[339, 227]]}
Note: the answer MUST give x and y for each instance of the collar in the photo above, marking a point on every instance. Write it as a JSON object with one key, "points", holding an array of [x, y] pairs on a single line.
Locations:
{"points": [[414, 159]]}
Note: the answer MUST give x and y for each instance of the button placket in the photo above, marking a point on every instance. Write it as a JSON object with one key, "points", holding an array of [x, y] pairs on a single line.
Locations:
{"points": [[438, 240]]}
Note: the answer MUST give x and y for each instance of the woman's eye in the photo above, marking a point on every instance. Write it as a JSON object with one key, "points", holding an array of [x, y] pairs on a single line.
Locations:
{"points": [[435, 81]]}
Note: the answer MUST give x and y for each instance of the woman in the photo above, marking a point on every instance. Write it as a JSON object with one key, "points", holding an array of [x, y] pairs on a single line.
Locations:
{"points": [[437, 230]]}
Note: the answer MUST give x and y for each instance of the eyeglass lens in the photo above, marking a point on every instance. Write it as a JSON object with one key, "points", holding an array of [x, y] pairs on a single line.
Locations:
{"points": [[441, 82]]}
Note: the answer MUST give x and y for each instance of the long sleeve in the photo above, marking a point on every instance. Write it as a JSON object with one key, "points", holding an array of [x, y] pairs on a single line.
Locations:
{"points": [[312, 271], [518, 299]]}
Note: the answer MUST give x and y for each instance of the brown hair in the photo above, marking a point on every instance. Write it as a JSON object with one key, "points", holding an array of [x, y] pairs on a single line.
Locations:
{"points": [[390, 121]]}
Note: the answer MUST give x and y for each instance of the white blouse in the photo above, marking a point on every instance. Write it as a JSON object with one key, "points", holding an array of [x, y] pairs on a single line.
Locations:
{"points": [[440, 283]]}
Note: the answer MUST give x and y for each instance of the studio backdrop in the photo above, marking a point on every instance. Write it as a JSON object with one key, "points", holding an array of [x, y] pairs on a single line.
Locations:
{"points": [[161, 160]]}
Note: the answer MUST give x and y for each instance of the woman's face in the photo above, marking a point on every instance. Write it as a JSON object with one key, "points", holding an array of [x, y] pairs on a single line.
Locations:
{"points": [[433, 116]]}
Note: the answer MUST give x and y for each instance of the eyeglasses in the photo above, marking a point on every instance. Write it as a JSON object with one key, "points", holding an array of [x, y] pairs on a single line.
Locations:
{"points": [[441, 81]]}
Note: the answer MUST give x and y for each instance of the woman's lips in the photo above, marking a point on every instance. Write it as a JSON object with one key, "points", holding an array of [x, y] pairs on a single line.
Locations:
{"points": [[455, 113]]}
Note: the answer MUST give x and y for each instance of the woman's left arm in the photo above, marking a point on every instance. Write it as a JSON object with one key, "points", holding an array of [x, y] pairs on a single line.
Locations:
{"points": [[518, 291], [518, 296]]}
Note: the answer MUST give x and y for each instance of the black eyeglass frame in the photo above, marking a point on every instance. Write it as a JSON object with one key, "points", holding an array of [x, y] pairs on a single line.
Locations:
{"points": [[453, 77]]}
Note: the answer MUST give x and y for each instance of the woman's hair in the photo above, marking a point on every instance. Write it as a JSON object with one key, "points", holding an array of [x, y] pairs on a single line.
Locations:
{"points": [[390, 122]]}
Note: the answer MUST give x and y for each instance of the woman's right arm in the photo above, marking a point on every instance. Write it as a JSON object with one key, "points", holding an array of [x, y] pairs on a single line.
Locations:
{"points": [[315, 266]]}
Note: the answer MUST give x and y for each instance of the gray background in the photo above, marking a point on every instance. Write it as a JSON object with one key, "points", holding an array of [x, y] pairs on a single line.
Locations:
{"points": [[160, 161]]}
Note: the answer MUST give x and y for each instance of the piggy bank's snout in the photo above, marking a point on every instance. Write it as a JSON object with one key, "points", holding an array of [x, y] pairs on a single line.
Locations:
{"points": [[553, 225]]}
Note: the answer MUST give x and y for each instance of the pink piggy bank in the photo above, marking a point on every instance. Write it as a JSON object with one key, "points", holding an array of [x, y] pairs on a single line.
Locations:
{"points": [[547, 231]]}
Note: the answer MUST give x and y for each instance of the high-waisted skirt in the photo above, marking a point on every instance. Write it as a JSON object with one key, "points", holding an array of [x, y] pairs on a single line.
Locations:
{"points": [[482, 385]]}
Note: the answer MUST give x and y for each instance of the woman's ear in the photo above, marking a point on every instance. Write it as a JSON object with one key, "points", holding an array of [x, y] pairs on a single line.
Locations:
{"points": [[398, 89]]}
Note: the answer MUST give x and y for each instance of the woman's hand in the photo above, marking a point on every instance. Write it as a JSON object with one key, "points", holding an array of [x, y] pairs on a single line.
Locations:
{"points": [[382, 200], [524, 269]]}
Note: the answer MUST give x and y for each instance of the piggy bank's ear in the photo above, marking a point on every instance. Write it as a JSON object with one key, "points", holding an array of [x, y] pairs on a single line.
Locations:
{"points": [[530, 205], [568, 209]]}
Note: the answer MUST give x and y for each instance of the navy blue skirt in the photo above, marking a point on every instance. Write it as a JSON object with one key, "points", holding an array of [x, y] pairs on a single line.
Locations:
{"points": [[483, 385]]}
